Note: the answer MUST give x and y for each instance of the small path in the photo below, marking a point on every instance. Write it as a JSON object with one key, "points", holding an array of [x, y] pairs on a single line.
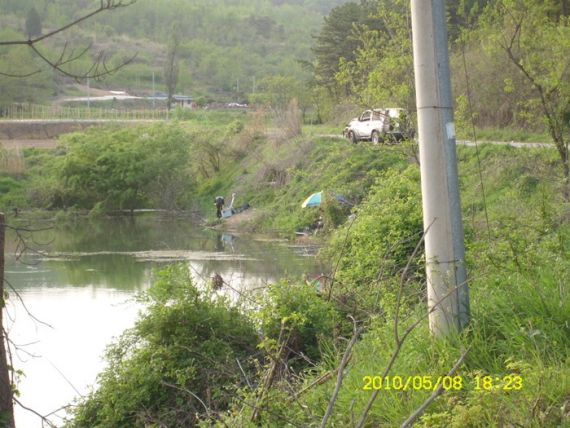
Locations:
{"points": [[517, 144]]}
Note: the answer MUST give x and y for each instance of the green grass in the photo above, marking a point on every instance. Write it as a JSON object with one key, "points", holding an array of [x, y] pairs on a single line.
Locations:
{"points": [[278, 177], [504, 134], [520, 316]]}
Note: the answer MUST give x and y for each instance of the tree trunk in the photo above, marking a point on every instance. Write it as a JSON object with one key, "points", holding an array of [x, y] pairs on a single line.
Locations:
{"points": [[6, 403]]}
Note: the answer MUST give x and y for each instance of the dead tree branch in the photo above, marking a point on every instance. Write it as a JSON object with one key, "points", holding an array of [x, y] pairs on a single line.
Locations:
{"points": [[99, 67], [45, 420]]}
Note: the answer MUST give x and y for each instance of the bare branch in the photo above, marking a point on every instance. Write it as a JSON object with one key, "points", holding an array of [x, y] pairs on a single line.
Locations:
{"points": [[44, 419], [94, 71], [24, 305], [105, 5], [20, 76], [94, 75], [187, 391]]}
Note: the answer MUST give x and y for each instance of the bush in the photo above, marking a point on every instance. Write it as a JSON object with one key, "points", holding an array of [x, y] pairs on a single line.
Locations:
{"points": [[372, 251], [300, 315], [11, 193], [125, 169], [178, 359]]}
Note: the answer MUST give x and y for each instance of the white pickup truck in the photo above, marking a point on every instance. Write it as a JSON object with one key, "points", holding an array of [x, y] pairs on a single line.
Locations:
{"points": [[379, 125]]}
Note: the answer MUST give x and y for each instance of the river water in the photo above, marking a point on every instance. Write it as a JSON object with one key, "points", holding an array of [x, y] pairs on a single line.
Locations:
{"points": [[73, 291]]}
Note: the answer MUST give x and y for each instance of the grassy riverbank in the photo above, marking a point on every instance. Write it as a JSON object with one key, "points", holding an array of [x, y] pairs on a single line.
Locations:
{"points": [[514, 357]]}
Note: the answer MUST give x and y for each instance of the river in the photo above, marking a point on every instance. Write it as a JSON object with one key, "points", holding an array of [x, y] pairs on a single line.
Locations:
{"points": [[73, 290]]}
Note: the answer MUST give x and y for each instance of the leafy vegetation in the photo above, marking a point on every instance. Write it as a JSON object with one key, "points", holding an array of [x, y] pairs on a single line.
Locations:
{"points": [[119, 169], [519, 313], [180, 362]]}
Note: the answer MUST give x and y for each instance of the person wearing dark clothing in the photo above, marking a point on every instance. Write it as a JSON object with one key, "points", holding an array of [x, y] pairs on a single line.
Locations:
{"points": [[219, 201]]}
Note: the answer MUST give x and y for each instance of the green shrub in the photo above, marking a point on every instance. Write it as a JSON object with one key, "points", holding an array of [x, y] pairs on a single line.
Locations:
{"points": [[372, 251], [178, 359], [12, 193], [301, 316], [125, 169]]}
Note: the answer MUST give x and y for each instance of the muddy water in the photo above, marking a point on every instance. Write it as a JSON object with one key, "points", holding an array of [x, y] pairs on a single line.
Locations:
{"points": [[73, 290]]}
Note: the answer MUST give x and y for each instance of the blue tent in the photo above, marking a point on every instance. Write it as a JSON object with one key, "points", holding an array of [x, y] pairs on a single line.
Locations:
{"points": [[313, 201], [316, 199]]}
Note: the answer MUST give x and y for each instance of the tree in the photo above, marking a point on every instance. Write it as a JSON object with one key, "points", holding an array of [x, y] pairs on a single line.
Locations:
{"points": [[278, 91], [33, 23], [125, 169], [538, 45], [381, 71], [6, 401], [171, 67], [334, 43]]}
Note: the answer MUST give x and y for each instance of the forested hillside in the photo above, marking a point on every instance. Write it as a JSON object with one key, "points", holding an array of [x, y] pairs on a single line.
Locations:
{"points": [[509, 59], [225, 46]]}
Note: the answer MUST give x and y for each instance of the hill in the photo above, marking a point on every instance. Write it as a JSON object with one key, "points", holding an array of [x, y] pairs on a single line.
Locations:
{"points": [[227, 47]]}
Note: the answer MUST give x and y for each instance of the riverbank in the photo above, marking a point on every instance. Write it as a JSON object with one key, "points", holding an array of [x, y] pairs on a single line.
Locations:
{"points": [[516, 229], [357, 336]]}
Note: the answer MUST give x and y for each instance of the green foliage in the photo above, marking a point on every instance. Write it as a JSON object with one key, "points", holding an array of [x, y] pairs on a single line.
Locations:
{"points": [[381, 72], [526, 50], [332, 43], [222, 41], [278, 91], [126, 169], [334, 212], [183, 349], [288, 174], [11, 194], [372, 250], [299, 316], [519, 302], [519, 305], [33, 23]]}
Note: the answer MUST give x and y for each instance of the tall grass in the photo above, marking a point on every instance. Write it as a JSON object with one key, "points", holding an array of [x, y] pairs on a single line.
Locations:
{"points": [[12, 161]]}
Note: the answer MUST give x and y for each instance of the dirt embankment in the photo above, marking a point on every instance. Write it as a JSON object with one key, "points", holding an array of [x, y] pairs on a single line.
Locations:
{"points": [[44, 133], [39, 129]]}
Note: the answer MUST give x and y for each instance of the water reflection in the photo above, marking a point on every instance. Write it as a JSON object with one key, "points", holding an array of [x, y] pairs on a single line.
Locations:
{"points": [[84, 276], [121, 252]]}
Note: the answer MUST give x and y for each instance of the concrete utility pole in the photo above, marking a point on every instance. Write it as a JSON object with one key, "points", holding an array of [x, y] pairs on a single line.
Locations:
{"points": [[448, 292]]}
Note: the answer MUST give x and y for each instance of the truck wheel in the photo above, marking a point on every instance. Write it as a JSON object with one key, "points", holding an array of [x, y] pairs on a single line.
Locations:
{"points": [[376, 138], [352, 137]]}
